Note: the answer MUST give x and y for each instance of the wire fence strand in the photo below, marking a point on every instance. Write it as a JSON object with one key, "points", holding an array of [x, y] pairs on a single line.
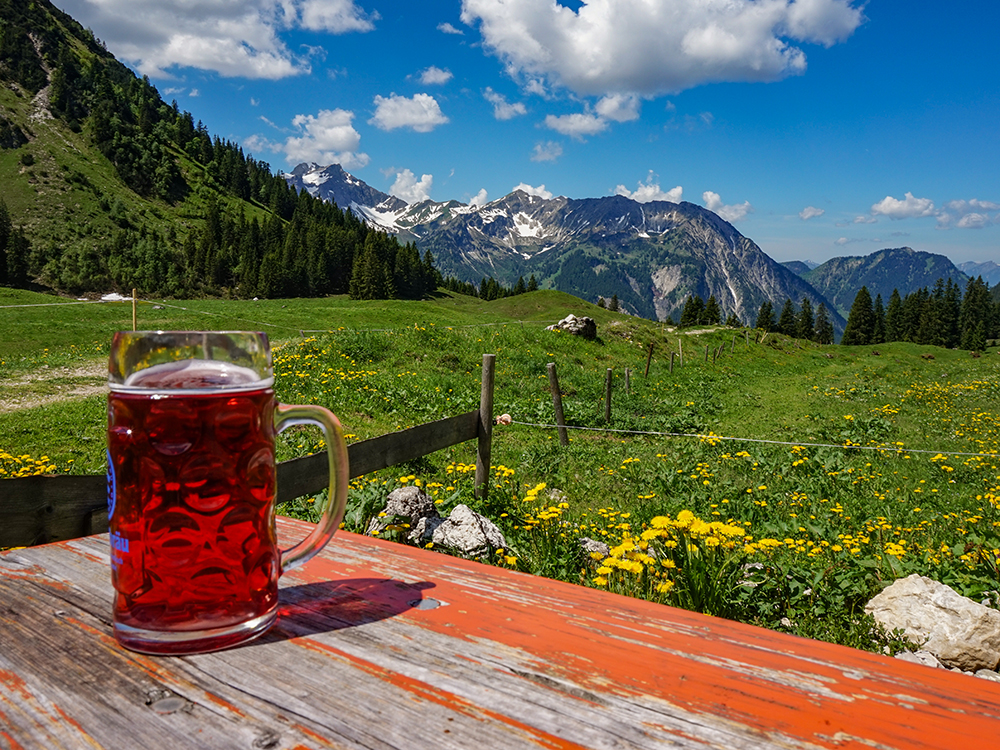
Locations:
{"points": [[803, 444]]}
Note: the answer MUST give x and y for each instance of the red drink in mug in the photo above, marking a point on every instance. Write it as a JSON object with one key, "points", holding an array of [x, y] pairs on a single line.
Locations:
{"points": [[191, 487]]}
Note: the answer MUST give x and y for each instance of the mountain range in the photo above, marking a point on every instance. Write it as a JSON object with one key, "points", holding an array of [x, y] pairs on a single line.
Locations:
{"points": [[651, 256], [989, 270], [902, 268]]}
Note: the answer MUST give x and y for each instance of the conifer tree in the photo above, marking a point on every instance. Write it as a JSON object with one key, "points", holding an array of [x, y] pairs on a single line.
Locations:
{"points": [[929, 328], [532, 284], [878, 310], [951, 314], [711, 315], [976, 309], [786, 323], [694, 307], [765, 316], [894, 318], [6, 229], [805, 324], [824, 328], [614, 305], [370, 278], [913, 304], [860, 326], [733, 321]]}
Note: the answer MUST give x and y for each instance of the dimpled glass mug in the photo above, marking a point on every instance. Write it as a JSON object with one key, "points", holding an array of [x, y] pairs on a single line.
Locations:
{"points": [[192, 421]]}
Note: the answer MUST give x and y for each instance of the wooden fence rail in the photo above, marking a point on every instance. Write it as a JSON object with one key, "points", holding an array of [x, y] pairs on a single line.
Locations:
{"points": [[38, 510]]}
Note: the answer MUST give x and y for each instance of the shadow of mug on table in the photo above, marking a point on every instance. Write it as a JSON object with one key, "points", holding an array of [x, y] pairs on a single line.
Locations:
{"points": [[325, 606]]}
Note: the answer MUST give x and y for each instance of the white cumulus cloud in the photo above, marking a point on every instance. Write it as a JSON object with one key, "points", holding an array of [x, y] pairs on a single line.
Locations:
{"points": [[540, 191], [230, 37], [408, 188], [655, 47], [810, 212], [435, 76], [576, 125], [327, 137], [420, 113], [335, 16], [650, 191], [907, 208], [968, 214], [618, 107], [480, 198], [548, 151], [973, 221], [732, 214], [503, 109], [447, 28]]}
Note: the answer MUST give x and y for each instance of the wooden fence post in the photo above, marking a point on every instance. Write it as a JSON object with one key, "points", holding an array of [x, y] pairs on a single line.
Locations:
{"points": [[557, 403], [485, 447], [746, 337], [671, 363], [649, 358], [607, 397], [134, 322], [706, 354], [628, 388], [680, 353]]}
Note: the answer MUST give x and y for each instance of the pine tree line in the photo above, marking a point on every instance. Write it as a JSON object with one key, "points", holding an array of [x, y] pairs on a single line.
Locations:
{"points": [[698, 312], [489, 288], [942, 316], [14, 250], [803, 323]]}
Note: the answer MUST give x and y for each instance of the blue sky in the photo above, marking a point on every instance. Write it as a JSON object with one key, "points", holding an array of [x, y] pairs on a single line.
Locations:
{"points": [[820, 128]]}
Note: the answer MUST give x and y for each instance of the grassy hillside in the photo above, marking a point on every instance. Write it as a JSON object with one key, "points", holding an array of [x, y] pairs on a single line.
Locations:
{"points": [[828, 470]]}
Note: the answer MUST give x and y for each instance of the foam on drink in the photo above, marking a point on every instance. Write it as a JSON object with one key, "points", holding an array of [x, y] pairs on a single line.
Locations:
{"points": [[194, 375]]}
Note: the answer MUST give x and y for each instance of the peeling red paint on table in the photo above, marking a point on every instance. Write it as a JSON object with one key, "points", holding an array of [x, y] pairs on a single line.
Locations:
{"points": [[380, 645]]}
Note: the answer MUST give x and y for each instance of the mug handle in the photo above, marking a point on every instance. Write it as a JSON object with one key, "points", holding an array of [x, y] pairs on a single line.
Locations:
{"points": [[336, 449]]}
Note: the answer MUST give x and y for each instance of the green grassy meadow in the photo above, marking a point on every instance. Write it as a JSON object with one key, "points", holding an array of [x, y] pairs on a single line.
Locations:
{"points": [[782, 485]]}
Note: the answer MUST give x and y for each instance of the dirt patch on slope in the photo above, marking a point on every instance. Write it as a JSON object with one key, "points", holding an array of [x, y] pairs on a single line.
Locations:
{"points": [[48, 385]]}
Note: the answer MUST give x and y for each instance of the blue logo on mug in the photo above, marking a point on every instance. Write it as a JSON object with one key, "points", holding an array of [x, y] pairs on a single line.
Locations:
{"points": [[112, 487]]}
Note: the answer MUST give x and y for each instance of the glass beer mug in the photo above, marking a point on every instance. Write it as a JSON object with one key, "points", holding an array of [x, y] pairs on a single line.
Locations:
{"points": [[192, 421]]}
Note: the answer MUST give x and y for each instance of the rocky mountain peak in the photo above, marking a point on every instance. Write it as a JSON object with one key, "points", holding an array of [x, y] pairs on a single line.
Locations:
{"points": [[651, 255]]}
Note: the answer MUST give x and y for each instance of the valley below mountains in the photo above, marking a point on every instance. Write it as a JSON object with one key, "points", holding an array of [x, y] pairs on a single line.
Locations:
{"points": [[652, 256]]}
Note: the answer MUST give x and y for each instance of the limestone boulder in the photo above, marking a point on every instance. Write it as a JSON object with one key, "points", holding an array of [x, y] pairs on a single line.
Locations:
{"points": [[410, 503], [958, 631], [584, 327], [464, 532]]}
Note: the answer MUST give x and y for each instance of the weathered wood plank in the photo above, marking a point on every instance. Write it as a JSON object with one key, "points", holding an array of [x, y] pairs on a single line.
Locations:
{"points": [[383, 646], [310, 474], [37, 510]]}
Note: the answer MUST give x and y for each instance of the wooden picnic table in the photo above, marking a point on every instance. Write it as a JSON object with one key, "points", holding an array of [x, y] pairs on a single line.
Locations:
{"points": [[380, 645]]}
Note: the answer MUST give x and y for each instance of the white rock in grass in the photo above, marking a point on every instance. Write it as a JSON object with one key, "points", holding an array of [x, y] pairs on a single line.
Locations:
{"points": [[584, 327], [958, 631], [468, 533], [410, 503]]}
